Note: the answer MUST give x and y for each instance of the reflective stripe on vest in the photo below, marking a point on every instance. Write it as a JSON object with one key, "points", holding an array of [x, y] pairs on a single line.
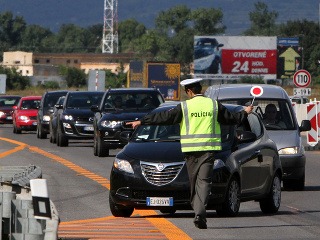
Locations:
{"points": [[199, 129]]}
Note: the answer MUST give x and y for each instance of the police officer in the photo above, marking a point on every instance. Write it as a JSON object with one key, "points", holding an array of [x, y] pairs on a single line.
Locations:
{"points": [[199, 118]]}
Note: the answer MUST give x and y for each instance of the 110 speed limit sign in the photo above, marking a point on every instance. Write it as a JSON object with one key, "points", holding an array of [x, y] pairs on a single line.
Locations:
{"points": [[302, 78]]}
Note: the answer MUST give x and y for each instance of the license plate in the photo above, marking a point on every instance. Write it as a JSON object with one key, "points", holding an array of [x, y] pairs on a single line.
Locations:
{"points": [[159, 201], [88, 128], [34, 123], [9, 118]]}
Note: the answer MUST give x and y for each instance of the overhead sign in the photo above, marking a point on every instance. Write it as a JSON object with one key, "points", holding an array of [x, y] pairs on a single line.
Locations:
{"points": [[302, 78], [302, 91]]}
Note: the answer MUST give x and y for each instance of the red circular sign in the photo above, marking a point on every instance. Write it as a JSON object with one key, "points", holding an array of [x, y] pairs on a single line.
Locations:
{"points": [[256, 91], [302, 78]]}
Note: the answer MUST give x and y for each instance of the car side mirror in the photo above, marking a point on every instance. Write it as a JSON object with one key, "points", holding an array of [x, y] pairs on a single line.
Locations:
{"points": [[125, 136], [58, 106], [305, 126], [246, 136], [94, 108]]}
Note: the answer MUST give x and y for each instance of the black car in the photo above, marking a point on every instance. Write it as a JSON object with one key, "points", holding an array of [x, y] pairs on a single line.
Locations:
{"points": [[117, 107], [6, 107], [53, 119], [45, 110], [75, 118], [150, 172]]}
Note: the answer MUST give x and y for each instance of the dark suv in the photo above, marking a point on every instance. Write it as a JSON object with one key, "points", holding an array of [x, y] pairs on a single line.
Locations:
{"points": [[45, 110], [117, 107], [74, 119]]}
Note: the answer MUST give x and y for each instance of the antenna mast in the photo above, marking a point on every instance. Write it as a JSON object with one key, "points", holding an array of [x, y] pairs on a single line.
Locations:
{"points": [[110, 27]]}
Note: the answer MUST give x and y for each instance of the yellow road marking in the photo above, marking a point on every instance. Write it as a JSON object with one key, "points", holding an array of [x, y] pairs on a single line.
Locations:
{"points": [[165, 227]]}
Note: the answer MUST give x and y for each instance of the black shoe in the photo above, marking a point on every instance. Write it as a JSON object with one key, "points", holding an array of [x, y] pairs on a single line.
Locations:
{"points": [[200, 222]]}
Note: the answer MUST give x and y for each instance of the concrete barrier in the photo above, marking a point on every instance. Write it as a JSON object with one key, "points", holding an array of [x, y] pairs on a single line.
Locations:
{"points": [[16, 207]]}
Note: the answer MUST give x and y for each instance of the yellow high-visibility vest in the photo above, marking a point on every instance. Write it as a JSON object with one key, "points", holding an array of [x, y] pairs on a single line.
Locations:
{"points": [[199, 129]]}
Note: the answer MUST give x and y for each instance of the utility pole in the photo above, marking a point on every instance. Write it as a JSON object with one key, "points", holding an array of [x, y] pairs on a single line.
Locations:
{"points": [[110, 27]]}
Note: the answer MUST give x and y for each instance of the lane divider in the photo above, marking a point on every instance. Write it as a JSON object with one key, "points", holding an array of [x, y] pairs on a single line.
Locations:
{"points": [[164, 226]]}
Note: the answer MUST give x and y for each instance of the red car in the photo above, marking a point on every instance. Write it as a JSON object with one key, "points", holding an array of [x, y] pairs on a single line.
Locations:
{"points": [[6, 107], [25, 114]]}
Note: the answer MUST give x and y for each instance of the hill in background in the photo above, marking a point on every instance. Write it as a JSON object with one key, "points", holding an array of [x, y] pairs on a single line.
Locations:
{"points": [[53, 13]]}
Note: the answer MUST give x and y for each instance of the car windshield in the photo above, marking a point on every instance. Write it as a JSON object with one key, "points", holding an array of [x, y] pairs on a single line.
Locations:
{"points": [[51, 99], [83, 100], [131, 101], [30, 104], [9, 101], [275, 114]]}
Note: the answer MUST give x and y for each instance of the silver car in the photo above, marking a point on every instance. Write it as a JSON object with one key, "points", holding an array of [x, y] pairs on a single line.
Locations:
{"points": [[283, 129]]}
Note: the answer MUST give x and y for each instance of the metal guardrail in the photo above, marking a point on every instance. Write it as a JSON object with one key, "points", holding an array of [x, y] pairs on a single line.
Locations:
{"points": [[16, 206]]}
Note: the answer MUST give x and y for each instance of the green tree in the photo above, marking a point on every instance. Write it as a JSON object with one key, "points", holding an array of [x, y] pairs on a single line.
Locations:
{"points": [[33, 36], [11, 28], [71, 38], [208, 21], [94, 38], [263, 22], [74, 77], [130, 31], [14, 79]]}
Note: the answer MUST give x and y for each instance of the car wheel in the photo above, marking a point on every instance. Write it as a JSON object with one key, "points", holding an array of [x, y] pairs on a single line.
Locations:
{"points": [[168, 211], [18, 131], [14, 129], [118, 210], [52, 135], [95, 147], [40, 133], [102, 148], [62, 141], [294, 184], [271, 204], [231, 205]]}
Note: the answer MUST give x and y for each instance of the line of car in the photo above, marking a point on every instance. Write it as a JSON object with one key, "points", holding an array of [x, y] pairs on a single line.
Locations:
{"points": [[149, 171]]}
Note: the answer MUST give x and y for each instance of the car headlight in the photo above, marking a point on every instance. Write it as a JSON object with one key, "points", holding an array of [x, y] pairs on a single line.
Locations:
{"points": [[218, 163], [123, 165], [68, 117], [23, 118], [46, 118], [290, 150], [2, 114], [110, 124]]}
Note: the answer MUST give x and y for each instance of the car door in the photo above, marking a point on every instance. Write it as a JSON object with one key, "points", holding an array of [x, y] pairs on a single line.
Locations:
{"points": [[249, 156]]}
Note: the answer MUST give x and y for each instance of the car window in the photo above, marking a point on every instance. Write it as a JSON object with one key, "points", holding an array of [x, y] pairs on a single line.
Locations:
{"points": [[30, 104], [255, 125], [283, 115], [8, 101], [157, 132], [129, 101], [51, 99], [83, 100]]}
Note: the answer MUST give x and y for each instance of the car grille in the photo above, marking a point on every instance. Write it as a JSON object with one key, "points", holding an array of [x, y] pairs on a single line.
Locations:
{"points": [[33, 118], [160, 174]]}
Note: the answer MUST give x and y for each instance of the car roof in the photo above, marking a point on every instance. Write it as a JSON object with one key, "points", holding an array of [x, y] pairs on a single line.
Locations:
{"points": [[10, 96], [31, 97], [132, 89], [234, 91]]}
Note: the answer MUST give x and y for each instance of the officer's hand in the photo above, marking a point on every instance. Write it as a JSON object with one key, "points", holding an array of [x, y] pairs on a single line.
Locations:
{"points": [[249, 109], [134, 124]]}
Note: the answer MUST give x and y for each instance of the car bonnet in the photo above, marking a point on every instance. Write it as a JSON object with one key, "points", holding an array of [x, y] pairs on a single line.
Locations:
{"points": [[284, 139]]}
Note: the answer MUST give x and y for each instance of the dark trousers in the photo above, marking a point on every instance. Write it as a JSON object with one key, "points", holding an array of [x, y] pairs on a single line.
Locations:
{"points": [[200, 169]]}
